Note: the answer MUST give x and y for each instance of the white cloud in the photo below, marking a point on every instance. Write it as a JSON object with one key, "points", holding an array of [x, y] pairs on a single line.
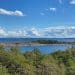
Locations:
{"points": [[59, 32], [53, 9], [3, 32], [48, 10], [62, 31], [72, 2], [35, 31], [19, 33], [12, 13]]}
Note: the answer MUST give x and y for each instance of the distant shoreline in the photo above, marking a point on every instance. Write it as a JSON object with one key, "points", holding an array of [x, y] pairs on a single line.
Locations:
{"points": [[32, 44], [37, 42]]}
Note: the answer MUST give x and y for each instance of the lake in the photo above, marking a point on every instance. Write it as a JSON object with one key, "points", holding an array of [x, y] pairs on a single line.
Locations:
{"points": [[43, 49]]}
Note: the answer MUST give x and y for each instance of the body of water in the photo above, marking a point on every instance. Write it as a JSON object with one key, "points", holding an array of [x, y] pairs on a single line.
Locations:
{"points": [[43, 49], [3, 40]]}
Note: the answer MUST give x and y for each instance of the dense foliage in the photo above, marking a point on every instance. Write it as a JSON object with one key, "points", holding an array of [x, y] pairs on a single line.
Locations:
{"points": [[13, 62], [46, 41], [52, 42]]}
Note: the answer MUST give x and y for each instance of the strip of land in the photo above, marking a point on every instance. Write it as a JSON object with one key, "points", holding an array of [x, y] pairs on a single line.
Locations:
{"points": [[37, 43], [33, 44]]}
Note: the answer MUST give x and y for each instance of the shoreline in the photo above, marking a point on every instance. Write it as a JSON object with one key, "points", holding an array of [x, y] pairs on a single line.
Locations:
{"points": [[32, 44]]}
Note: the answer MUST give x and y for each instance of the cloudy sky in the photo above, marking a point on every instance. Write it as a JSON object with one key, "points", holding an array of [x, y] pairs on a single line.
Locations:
{"points": [[37, 18]]}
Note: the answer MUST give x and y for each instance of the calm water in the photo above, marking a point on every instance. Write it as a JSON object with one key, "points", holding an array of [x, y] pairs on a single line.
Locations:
{"points": [[34, 39], [43, 49]]}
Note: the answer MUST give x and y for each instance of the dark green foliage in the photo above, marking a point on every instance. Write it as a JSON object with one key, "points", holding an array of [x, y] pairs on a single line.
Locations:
{"points": [[46, 41], [13, 62]]}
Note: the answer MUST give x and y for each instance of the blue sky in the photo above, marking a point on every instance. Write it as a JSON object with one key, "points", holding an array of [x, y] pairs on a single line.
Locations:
{"points": [[37, 18]]}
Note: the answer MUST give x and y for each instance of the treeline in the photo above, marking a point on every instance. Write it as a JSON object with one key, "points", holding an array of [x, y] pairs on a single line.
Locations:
{"points": [[46, 41], [14, 62], [52, 42]]}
